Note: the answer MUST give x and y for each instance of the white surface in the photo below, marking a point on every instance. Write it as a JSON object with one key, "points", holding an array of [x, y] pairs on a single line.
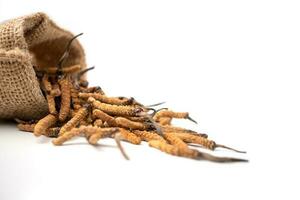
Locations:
{"points": [[232, 64]]}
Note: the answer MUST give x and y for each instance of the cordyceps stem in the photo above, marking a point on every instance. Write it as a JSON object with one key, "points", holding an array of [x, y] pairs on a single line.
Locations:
{"points": [[156, 111], [156, 126], [191, 119], [156, 104], [149, 117], [67, 51], [212, 158], [82, 72], [226, 147], [118, 141]]}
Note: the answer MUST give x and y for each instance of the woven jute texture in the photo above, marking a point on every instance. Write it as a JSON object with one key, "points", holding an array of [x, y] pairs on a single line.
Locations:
{"points": [[28, 41]]}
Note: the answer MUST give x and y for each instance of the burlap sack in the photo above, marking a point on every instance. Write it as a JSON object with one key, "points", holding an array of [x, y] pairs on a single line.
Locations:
{"points": [[28, 41]]}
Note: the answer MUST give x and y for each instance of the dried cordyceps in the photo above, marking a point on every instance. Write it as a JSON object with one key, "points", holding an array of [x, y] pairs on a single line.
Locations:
{"points": [[26, 127], [105, 99], [46, 83], [198, 139], [74, 121], [51, 104], [89, 112], [171, 114], [98, 114], [173, 139], [164, 120], [132, 125], [147, 135], [165, 147], [66, 136], [115, 109], [101, 133], [75, 98], [65, 86], [181, 130], [45, 123], [50, 132], [130, 137], [190, 153]]}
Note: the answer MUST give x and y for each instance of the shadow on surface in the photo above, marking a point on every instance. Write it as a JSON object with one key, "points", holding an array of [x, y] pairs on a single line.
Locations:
{"points": [[7, 122]]}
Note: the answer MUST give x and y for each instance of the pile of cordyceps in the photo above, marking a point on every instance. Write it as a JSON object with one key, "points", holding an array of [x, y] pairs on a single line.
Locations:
{"points": [[75, 109]]}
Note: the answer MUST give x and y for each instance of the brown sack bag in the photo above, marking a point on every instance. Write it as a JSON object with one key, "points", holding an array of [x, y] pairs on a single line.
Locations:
{"points": [[28, 41]]}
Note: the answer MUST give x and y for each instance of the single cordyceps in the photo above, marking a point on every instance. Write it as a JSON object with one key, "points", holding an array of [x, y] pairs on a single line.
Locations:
{"points": [[78, 110]]}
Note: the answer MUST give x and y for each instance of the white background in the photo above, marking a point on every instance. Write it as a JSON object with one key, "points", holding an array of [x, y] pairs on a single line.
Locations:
{"points": [[233, 64]]}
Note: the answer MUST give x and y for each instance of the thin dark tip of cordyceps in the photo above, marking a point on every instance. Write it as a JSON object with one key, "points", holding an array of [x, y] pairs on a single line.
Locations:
{"points": [[226, 147], [79, 74], [118, 141], [67, 50], [161, 109], [156, 111], [212, 158], [151, 109], [82, 72], [191, 119], [239, 160], [230, 160], [156, 104]]}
